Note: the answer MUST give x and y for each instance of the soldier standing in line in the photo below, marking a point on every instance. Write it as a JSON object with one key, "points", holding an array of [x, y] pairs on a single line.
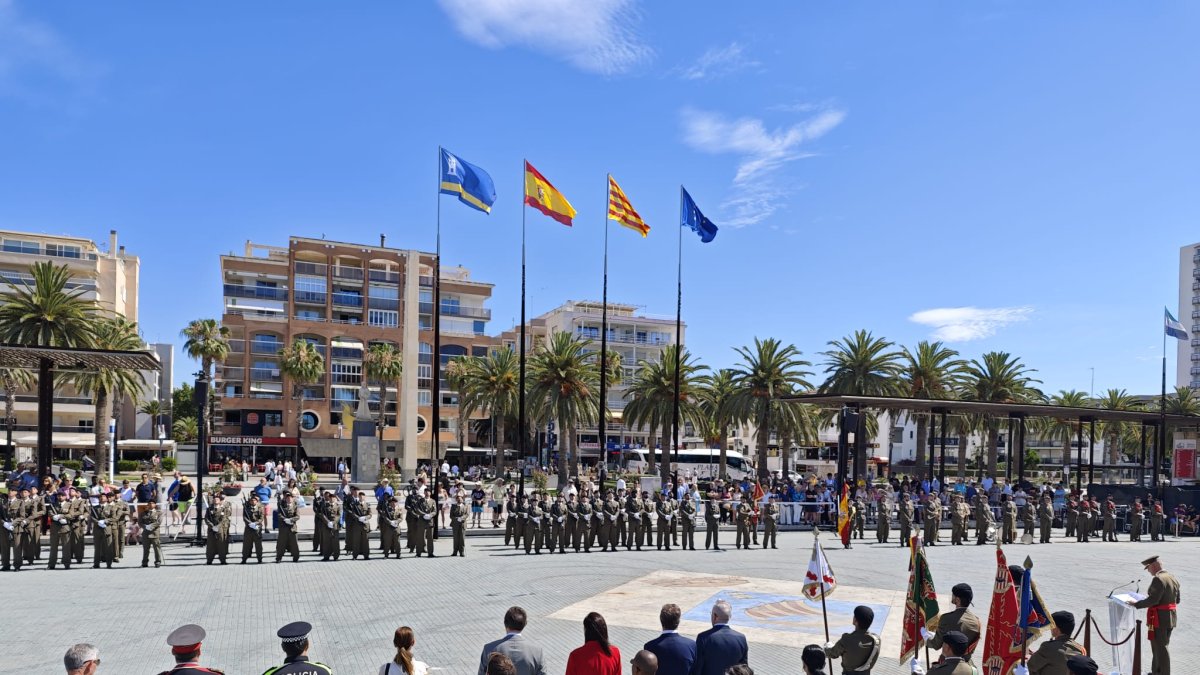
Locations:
{"points": [[883, 519], [330, 522], [458, 526], [1156, 520], [79, 521], [743, 523], [1109, 509], [37, 513], [253, 517], [1008, 510], [1071, 518], [60, 535], [712, 521], [633, 518], [1136, 517], [286, 540], [149, 521], [6, 538], [612, 514], [510, 518], [547, 522], [571, 508], [858, 650], [352, 510], [621, 531], [904, 513], [771, 522], [362, 515], [533, 526], [597, 518], [583, 528], [122, 530], [521, 513], [1046, 519], [859, 524], [217, 518], [102, 540], [1083, 525], [558, 525], [1028, 517], [933, 519], [662, 508], [687, 518], [983, 519], [411, 525], [389, 527], [318, 520], [429, 509], [958, 520], [18, 511], [1160, 603]]}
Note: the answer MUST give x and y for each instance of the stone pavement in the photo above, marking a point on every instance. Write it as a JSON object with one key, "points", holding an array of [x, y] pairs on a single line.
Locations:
{"points": [[455, 604]]}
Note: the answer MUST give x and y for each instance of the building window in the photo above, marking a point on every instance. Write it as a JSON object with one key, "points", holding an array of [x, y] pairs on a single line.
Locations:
{"points": [[272, 419], [309, 420], [345, 373], [309, 315], [424, 376], [425, 296], [425, 322], [85, 426], [233, 417], [20, 246], [424, 397], [63, 251], [384, 318], [479, 350], [479, 327], [449, 304]]}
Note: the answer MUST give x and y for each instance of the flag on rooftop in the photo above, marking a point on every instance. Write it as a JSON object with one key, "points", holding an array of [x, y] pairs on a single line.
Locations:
{"points": [[691, 217], [620, 210], [543, 196], [1173, 327], [471, 184]]}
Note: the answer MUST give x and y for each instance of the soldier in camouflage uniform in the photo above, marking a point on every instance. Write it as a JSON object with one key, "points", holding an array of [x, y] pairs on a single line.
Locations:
{"points": [[687, 519], [252, 514], [149, 521], [217, 518], [286, 540], [389, 526], [771, 522], [329, 524], [458, 525]]}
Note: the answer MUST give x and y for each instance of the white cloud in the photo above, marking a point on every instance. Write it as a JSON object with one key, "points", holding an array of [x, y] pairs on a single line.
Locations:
{"points": [[960, 324], [31, 52], [598, 36], [719, 61], [756, 195]]}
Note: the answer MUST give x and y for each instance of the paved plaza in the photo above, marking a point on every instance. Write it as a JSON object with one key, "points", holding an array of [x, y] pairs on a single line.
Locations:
{"points": [[455, 605]]}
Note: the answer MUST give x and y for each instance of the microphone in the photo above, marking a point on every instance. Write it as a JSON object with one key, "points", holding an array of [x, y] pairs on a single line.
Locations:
{"points": [[1110, 593]]}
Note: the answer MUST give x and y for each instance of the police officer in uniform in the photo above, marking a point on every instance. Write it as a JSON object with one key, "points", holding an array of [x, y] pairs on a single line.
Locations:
{"points": [[1160, 603], [389, 527], [1046, 519], [286, 541], [904, 513], [217, 518], [1051, 656], [186, 642], [294, 640], [148, 520], [858, 650], [330, 521], [960, 620], [253, 517], [687, 519]]}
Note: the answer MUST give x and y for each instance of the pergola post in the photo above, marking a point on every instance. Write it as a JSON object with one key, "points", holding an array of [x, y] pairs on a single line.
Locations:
{"points": [[1018, 445], [1079, 454], [843, 442], [942, 460], [860, 446], [45, 432], [932, 442], [1141, 478], [1008, 444], [1091, 451]]}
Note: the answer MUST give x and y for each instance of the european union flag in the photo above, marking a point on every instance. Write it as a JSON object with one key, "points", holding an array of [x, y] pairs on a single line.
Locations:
{"points": [[690, 216], [471, 184]]}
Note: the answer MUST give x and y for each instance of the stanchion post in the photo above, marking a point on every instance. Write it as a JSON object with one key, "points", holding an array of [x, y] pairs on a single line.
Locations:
{"points": [[1087, 631], [1137, 646]]}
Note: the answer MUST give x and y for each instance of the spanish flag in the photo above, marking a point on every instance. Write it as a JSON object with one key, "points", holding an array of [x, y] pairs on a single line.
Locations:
{"points": [[543, 196], [843, 524], [620, 210]]}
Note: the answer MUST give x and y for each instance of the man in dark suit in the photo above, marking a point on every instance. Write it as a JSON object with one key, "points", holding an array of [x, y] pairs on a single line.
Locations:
{"points": [[675, 653], [526, 656], [719, 647]]}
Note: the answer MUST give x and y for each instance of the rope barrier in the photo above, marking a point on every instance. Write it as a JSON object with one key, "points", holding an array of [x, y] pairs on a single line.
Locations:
{"points": [[1132, 632]]}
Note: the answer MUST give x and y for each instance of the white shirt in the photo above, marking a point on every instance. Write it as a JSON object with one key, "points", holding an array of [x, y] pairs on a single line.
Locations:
{"points": [[620, 483], [445, 467]]}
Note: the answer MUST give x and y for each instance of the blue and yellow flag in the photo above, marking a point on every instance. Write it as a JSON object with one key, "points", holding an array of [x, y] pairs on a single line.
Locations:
{"points": [[471, 184], [690, 217]]}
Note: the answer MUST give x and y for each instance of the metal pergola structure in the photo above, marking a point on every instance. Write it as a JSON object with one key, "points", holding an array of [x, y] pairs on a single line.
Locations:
{"points": [[1015, 413], [46, 361]]}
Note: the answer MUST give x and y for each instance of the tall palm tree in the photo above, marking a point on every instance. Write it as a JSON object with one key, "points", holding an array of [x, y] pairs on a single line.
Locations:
{"points": [[46, 313], [303, 364], [455, 373], [998, 377], [767, 371], [207, 340], [1183, 402], [1065, 430], [115, 333], [717, 412], [153, 408], [652, 398], [564, 386], [1113, 431], [931, 371], [384, 365], [795, 422], [491, 383], [863, 365]]}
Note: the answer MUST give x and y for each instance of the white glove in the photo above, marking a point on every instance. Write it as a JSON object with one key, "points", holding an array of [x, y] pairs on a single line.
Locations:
{"points": [[1020, 670], [151, 527], [102, 523], [332, 524], [670, 516], [828, 645], [8, 525], [362, 519], [394, 523], [925, 634], [290, 521], [428, 516], [60, 519], [537, 520], [917, 668], [253, 526], [560, 519]]}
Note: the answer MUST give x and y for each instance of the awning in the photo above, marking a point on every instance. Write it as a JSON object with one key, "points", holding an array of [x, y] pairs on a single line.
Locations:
{"points": [[70, 358]]}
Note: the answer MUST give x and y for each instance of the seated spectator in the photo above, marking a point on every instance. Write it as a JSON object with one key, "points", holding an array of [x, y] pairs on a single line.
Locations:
{"points": [[596, 656], [813, 660], [82, 659], [402, 663]]}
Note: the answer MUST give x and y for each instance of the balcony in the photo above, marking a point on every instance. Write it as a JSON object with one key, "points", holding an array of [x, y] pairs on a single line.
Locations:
{"points": [[57, 428], [310, 298], [227, 374], [258, 292], [457, 310], [351, 353], [354, 379], [348, 300], [384, 276], [316, 269], [426, 281], [270, 348], [266, 375], [383, 303], [351, 273]]}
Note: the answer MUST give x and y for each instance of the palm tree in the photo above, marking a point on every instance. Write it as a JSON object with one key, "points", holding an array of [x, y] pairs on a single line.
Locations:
{"points": [[491, 383], [1065, 430], [116, 333], [455, 373], [185, 430], [931, 371], [1115, 432], [383, 364], [208, 341], [1183, 402], [13, 380], [564, 386], [302, 363], [46, 313], [153, 409], [716, 394], [795, 422], [652, 398], [998, 377], [863, 365], [768, 370]]}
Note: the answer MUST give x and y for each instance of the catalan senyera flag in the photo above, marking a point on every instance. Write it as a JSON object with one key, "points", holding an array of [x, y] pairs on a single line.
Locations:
{"points": [[920, 605], [620, 210], [844, 515], [1001, 651], [543, 196]]}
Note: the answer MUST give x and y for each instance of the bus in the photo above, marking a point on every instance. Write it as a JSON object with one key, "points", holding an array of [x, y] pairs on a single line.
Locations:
{"points": [[702, 462]]}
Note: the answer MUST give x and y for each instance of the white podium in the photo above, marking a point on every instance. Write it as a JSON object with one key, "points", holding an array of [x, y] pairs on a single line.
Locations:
{"points": [[1121, 620]]}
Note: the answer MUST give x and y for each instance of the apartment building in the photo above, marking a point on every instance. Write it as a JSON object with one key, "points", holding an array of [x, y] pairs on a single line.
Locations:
{"points": [[1187, 365], [634, 335], [108, 277], [342, 298]]}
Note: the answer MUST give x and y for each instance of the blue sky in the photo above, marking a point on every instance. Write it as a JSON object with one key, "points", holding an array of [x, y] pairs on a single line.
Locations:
{"points": [[871, 166]]}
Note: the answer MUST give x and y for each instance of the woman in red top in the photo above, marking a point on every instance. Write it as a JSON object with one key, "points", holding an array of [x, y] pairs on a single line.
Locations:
{"points": [[596, 656]]}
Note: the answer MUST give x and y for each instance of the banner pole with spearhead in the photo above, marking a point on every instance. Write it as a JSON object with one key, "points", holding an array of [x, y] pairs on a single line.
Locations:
{"points": [[821, 582]]}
